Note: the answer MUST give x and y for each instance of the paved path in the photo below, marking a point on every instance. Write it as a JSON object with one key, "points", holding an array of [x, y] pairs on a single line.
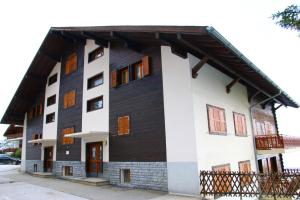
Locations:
{"points": [[19, 186]]}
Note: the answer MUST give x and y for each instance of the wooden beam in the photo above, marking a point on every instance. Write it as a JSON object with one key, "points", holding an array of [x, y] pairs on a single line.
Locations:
{"points": [[202, 53], [59, 34], [198, 66], [35, 77], [127, 42], [179, 51], [98, 40], [231, 84]]}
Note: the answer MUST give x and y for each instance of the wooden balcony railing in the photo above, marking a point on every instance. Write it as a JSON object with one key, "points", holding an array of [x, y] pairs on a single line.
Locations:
{"points": [[241, 184], [268, 142]]}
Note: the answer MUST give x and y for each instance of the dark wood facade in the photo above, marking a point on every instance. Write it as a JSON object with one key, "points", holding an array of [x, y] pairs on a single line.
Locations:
{"points": [[34, 127], [142, 100], [72, 116]]}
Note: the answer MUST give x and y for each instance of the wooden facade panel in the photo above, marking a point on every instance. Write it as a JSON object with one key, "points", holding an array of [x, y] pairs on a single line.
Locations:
{"points": [[71, 117], [142, 100]]}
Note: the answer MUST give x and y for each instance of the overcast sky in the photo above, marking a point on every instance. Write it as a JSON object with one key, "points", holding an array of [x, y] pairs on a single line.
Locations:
{"points": [[246, 24]]}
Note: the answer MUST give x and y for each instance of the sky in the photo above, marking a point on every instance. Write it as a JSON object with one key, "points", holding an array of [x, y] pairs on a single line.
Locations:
{"points": [[246, 24]]}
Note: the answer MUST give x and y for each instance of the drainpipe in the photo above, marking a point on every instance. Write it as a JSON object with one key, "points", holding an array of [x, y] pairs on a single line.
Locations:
{"points": [[252, 125]]}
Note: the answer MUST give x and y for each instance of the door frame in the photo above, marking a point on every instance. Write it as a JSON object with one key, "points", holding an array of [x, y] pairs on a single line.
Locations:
{"points": [[48, 164], [87, 162]]}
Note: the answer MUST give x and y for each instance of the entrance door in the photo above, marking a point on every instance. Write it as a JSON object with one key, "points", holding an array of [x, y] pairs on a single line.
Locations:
{"points": [[48, 159], [94, 159]]}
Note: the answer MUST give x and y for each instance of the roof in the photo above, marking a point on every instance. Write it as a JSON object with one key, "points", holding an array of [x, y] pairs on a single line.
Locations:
{"points": [[197, 40], [13, 129]]}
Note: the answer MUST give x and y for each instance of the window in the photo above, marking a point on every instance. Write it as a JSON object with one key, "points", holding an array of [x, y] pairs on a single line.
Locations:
{"points": [[95, 81], [97, 53], [260, 128], [123, 125], [94, 104], [137, 71], [124, 75], [219, 184], [51, 100], [240, 124], [71, 64], [125, 176], [245, 167], [50, 118], [216, 120], [36, 136], [68, 170], [52, 79], [269, 128], [67, 140], [69, 99]]}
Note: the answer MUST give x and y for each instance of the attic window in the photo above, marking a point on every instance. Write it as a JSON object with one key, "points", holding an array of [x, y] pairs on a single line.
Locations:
{"points": [[97, 53]]}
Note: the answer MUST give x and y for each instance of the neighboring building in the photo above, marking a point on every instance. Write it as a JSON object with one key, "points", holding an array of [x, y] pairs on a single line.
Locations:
{"points": [[142, 106], [14, 137]]}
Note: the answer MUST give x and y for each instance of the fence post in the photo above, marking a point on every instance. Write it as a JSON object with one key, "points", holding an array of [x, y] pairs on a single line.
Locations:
{"points": [[273, 185]]}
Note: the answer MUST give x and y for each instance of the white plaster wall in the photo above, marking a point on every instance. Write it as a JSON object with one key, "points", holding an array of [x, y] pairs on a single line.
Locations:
{"points": [[50, 129], [179, 124], [96, 120], [24, 143], [209, 88]]}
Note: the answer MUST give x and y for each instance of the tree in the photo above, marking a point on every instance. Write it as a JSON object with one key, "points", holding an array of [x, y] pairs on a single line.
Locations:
{"points": [[289, 18]]}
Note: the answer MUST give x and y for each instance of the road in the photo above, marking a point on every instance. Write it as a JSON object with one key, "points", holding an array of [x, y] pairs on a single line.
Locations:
{"points": [[19, 186]]}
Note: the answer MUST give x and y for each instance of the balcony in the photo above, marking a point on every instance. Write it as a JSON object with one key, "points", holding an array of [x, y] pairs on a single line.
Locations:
{"points": [[271, 144]]}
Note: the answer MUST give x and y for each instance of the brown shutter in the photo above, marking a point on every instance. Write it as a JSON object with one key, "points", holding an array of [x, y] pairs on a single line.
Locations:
{"points": [[211, 119], [223, 121], [123, 125], [66, 99], [114, 81], [71, 63], [265, 165], [41, 108], [146, 67], [72, 98]]}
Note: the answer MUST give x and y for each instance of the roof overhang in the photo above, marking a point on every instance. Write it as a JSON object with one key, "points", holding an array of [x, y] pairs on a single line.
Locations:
{"points": [[14, 139], [87, 134], [200, 41], [42, 141]]}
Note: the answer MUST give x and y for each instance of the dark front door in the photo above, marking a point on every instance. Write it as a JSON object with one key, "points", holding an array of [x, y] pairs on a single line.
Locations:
{"points": [[48, 159], [94, 159]]}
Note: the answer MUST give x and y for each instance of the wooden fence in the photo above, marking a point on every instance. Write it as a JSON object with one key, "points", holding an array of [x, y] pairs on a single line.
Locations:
{"points": [[239, 184]]}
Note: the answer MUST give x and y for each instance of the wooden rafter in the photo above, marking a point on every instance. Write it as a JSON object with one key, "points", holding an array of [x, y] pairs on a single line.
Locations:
{"points": [[98, 40], [174, 48], [128, 43], [198, 66], [50, 55], [231, 84]]}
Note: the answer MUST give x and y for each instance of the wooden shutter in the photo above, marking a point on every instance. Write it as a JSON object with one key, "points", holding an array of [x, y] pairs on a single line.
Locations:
{"points": [[265, 165], [146, 67], [123, 125], [71, 63], [222, 120], [72, 98], [114, 81], [66, 140], [240, 124], [246, 168], [41, 108], [219, 184], [211, 119]]}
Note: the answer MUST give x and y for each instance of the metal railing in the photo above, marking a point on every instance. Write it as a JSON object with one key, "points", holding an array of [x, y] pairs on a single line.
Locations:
{"points": [[239, 184]]}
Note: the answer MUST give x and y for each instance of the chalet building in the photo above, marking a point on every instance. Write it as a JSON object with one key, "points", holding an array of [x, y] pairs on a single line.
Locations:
{"points": [[144, 106], [14, 138]]}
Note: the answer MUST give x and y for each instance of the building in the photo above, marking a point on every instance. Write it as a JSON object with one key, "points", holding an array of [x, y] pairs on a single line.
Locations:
{"points": [[142, 106], [14, 137]]}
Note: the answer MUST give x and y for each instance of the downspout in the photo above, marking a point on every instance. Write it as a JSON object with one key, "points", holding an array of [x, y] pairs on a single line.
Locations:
{"points": [[252, 125]]}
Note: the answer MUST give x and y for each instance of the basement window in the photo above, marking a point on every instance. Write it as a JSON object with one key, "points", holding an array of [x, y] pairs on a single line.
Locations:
{"points": [[97, 53], [125, 176], [67, 171], [95, 81], [52, 79], [51, 100], [94, 104], [50, 118]]}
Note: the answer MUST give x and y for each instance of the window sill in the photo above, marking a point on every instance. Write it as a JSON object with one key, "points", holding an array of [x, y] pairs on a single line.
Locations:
{"points": [[89, 111], [217, 133]]}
